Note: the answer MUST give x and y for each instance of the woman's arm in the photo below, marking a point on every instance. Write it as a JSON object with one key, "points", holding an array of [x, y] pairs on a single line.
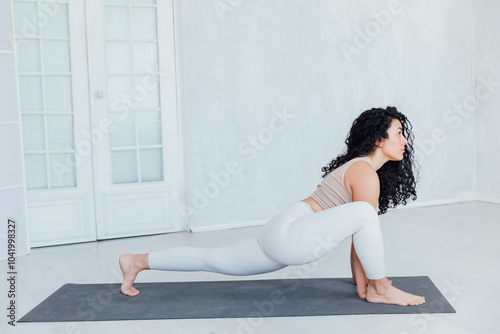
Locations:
{"points": [[356, 267], [363, 183]]}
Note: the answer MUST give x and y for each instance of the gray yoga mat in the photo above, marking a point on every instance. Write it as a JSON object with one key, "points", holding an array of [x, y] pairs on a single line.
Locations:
{"points": [[227, 299]]}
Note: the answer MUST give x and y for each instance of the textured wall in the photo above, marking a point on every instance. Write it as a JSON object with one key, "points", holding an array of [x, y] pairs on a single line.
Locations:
{"points": [[487, 26], [270, 88]]}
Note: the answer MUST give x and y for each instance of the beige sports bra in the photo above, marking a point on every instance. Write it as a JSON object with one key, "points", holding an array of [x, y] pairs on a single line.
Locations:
{"points": [[332, 191]]}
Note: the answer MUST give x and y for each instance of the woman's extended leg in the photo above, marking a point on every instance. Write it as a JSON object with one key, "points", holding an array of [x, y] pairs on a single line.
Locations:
{"points": [[241, 258], [296, 236]]}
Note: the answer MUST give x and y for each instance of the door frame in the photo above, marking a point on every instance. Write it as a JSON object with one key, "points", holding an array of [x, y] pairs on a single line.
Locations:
{"points": [[66, 215], [162, 195], [81, 214]]}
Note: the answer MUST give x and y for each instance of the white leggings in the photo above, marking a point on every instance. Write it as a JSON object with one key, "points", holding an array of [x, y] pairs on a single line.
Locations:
{"points": [[296, 236]]}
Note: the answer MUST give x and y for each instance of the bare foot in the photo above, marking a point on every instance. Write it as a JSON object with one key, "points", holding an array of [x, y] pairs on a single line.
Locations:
{"points": [[130, 268], [387, 294], [361, 285], [361, 289]]}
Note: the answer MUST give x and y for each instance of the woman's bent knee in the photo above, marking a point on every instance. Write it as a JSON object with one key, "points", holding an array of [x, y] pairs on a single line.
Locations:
{"points": [[365, 212], [364, 208]]}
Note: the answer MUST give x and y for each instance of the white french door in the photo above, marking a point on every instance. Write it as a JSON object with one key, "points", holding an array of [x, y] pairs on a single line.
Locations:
{"points": [[97, 97], [136, 165]]}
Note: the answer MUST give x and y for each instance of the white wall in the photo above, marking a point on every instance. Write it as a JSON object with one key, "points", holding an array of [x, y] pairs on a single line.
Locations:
{"points": [[240, 61], [12, 192], [487, 26]]}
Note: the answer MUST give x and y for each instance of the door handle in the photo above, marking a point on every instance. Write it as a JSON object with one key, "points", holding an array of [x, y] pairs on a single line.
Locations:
{"points": [[100, 93]]}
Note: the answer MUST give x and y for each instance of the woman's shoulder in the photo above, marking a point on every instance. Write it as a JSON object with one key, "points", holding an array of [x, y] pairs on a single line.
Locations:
{"points": [[361, 166], [339, 172], [363, 161], [360, 172]]}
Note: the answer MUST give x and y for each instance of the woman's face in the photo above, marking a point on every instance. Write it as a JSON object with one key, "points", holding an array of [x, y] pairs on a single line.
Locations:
{"points": [[394, 146]]}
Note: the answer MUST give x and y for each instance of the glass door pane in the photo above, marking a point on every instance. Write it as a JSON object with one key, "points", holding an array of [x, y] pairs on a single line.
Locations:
{"points": [[44, 69], [131, 52], [96, 125], [51, 51]]}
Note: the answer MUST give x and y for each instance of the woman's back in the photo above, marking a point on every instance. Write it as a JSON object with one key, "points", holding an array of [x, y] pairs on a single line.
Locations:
{"points": [[332, 191]]}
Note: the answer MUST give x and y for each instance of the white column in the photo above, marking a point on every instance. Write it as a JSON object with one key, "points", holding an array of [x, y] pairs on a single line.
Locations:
{"points": [[12, 181]]}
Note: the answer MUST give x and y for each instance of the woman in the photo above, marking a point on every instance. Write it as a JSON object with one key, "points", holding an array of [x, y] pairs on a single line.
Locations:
{"points": [[376, 169]]}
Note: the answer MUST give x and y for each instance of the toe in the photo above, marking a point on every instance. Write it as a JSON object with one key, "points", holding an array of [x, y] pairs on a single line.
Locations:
{"points": [[130, 292]]}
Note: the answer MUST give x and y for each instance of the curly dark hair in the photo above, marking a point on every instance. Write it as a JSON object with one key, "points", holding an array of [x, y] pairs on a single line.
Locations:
{"points": [[397, 181]]}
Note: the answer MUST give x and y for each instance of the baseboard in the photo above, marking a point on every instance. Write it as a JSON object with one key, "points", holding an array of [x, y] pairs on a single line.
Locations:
{"points": [[488, 199], [422, 204], [260, 222], [17, 255], [248, 223]]}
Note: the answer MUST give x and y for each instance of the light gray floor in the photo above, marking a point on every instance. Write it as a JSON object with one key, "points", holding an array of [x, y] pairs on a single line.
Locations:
{"points": [[455, 245]]}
